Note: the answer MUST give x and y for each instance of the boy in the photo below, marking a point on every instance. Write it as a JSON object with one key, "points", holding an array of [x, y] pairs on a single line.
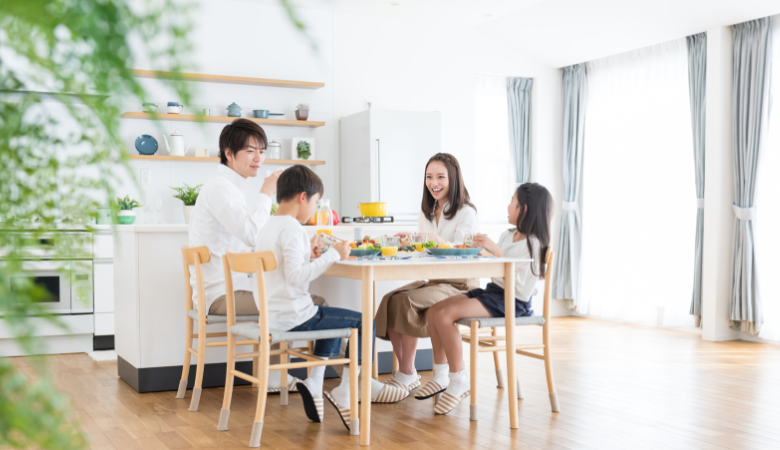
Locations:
{"points": [[290, 306]]}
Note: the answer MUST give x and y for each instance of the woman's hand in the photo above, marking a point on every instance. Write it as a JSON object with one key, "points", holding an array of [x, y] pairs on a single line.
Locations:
{"points": [[316, 247], [402, 234], [482, 241]]}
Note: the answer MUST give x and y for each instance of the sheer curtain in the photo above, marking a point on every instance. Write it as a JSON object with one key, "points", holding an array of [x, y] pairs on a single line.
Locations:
{"points": [[639, 188], [493, 166], [767, 221]]}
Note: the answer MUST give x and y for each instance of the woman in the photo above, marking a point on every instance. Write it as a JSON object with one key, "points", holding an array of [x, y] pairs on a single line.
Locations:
{"points": [[447, 216]]}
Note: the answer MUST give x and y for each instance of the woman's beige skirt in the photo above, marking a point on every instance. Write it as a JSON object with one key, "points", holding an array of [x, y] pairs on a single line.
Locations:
{"points": [[405, 309]]}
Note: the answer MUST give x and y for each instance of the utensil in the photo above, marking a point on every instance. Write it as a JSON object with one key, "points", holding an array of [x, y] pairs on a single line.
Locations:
{"points": [[175, 108], [377, 209], [234, 110], [176, 146], [146, 145], [260, 113], [275, 114]]}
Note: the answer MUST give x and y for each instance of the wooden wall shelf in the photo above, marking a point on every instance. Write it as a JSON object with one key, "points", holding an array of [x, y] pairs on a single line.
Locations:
{"points": [[224, 119], [228, 79], [277, 162]]}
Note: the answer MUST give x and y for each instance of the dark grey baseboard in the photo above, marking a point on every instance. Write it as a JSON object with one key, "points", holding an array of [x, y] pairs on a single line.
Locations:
{"points": [[102, 342], [154, 379]]}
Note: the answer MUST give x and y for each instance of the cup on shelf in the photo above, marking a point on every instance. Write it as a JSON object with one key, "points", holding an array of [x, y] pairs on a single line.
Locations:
{"points": [[175, 108], [201, 152], [206, 111]]}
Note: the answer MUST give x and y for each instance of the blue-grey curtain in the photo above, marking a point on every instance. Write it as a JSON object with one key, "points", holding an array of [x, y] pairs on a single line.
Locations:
{"points": [[752, 68], [566, 281], [518, 99], [697, 87]]}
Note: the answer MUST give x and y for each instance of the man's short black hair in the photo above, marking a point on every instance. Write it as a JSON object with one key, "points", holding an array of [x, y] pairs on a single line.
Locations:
{"points": [[298, 179], [235, 136]]}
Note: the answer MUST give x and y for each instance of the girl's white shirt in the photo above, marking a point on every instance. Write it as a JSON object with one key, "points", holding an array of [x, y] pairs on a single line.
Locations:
{"points": [[453, 230], [525, 280]]}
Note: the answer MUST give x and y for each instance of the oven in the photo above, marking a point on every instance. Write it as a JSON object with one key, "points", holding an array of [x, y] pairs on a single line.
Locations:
{"points": [[61, 263]]}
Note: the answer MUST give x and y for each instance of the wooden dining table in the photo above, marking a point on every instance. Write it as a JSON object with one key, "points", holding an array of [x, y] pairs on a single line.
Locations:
{"points": [[369, 271]]}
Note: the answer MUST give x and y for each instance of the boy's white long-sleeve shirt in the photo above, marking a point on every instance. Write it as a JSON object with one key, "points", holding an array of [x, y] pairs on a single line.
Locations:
{"points": [[287, 287]]}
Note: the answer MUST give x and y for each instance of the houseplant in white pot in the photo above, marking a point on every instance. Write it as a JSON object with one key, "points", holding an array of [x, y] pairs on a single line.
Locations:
{"points": [[126, 214], [189, 195]]}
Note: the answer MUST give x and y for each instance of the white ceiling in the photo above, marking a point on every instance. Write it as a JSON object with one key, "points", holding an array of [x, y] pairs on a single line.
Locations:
{"points": [[564, 32]]}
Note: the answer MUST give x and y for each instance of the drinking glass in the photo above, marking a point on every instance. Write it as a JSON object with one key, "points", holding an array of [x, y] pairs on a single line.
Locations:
{"points": [[146, 207], [390, 246], [418, 240], [158, 206]]}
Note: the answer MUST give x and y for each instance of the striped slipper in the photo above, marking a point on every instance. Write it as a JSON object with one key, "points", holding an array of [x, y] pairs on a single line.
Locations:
{"points": [[293, 387], [314, 406], [343, 412], [414, 385], [448, 402], [430, 389], [391, 394]]}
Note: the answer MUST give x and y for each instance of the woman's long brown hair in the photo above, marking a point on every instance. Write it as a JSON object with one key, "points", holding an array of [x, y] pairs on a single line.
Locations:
{"points": [[535, 221], [457, 196]]}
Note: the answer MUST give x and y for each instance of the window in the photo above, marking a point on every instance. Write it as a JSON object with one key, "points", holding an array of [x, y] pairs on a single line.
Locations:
{"points": [[767, 221], [639, 197], [493, 189]]}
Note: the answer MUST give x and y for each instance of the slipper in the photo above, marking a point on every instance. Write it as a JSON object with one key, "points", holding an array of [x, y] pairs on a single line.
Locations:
{"points": [[448, 402], [312, 405], [430, 389], [391, 394], [414, 385], [343, 412], [293, 387]]}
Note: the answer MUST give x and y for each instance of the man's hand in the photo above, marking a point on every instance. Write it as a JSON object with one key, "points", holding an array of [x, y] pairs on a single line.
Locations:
{"points": [[269, 184], [316, 247], [343, 249]]}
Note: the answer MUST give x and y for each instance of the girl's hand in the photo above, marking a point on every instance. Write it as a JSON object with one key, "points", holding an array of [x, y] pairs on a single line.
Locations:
{"points": [[482, 241]]}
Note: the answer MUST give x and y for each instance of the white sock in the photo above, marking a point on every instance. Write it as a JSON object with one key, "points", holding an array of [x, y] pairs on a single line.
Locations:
{"points": [[459, 383], [441, 374], [404, 378], [275, 379], [376, 388], [315, 379], [341, 392]]}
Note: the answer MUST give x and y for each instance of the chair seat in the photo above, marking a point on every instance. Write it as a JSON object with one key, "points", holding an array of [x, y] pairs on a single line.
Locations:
{"points": [[216, 318], [252, 331], [485, 322]]}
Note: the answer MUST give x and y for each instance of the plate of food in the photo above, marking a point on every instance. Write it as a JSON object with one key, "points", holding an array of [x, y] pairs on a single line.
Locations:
{"points": [[366, 247], [453, 250]]}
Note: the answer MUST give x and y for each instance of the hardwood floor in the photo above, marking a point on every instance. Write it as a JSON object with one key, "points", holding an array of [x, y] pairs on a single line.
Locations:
{"points": [[620, 387]]}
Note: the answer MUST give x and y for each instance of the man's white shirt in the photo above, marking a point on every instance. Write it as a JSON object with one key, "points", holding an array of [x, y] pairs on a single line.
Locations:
{"points": [[221, 220]]}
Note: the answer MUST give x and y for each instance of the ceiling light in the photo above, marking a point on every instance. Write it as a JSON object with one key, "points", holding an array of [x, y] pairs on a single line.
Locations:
{"points": [[395, 4], [488, 15]]}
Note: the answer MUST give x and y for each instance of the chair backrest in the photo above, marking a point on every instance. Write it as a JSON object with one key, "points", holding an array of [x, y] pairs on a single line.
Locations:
{"points": [[254, 262], [194, 256], [547, 285]]}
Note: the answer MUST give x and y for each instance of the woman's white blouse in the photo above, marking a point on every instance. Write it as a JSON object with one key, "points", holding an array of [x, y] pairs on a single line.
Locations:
{"points": [[455, 229]]}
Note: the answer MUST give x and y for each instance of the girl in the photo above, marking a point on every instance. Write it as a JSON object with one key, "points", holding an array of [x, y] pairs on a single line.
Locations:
{"points": [[447, 215], [530, 212]]}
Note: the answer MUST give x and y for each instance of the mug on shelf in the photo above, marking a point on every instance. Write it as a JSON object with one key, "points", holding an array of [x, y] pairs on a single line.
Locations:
{"points": [[201, 152]]}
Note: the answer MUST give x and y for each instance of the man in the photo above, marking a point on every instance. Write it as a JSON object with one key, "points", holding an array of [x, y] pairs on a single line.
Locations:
{"points": [[222, 220]]}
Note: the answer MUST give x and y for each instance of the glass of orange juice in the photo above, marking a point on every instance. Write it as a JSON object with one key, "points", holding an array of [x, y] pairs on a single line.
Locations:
{"points": [[418, 240], [390, 246]]}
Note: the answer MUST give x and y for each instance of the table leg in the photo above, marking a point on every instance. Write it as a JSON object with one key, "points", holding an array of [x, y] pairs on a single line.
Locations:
{"points": [[509, 309], [375, 368], [366, 352]]}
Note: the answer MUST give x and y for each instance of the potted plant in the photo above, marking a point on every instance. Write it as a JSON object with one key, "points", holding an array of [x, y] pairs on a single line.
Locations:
{"points": [[126, 213], [303, 150], [189, 195], [302, 111]]}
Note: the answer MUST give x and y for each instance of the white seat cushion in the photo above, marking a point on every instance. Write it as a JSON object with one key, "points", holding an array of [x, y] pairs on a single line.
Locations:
{"points": [[252, 331], [485, 322]]}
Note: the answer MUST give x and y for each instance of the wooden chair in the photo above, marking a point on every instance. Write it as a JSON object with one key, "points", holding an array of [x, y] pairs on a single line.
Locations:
{"points": [[490, 344], [259, 263], [197, 256]]}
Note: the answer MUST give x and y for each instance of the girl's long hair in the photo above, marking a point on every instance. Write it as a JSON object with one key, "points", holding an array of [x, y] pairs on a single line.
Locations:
{"points": [[457, 196], [535, 221]]}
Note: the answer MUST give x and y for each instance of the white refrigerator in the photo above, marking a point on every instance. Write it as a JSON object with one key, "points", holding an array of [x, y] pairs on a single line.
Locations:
{"points": [[383, 157]]}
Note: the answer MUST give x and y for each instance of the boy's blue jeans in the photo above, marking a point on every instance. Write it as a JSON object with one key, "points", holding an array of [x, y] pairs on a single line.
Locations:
{"points": [[329, 318]]}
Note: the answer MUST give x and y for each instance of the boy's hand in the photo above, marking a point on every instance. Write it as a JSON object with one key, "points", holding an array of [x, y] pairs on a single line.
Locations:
{"points": [[482, 241], [343, 249], [316, 247], [269, 184]]}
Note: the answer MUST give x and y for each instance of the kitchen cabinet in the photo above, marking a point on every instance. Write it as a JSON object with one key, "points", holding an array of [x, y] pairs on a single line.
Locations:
{"points": [[103, 287]]}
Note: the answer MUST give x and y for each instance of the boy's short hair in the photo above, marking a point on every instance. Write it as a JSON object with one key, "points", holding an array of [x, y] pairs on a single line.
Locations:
{"points": [[235, 136], [298, 179]]}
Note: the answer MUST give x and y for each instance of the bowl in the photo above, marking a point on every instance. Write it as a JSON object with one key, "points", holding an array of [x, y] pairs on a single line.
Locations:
{"points": [[361, 252], [260, 113], [455, 251], [146, 145], [378, 209]]}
